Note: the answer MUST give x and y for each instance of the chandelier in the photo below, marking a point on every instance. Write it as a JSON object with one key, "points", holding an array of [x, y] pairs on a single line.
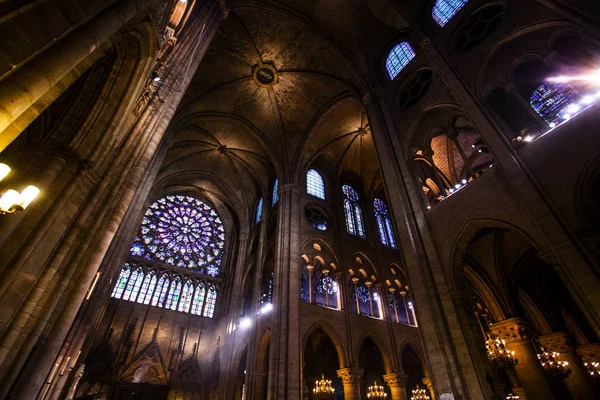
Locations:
{"points": [[419, 394], [323, 389], [376, 392], [498, 353], [512, 396], [554, 366], [593, 368]]}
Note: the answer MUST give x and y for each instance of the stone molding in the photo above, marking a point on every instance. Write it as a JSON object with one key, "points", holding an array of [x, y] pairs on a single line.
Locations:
{"points": [[560, 342], [589, 352], [396, 379], [351, 375], [512, 330]]}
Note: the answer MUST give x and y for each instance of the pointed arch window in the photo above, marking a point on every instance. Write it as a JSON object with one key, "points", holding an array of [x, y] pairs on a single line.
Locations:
{"points": [[259, 208], [275, 197], [186, 296], [315, 186], [384, 225], [161, 291], [199, 299], [211, 299], [398, 58], [146, 286], [174, 294], [365, 299], [555, 102], [133, 286], [444, 10], [353, 213], [121, 282]]}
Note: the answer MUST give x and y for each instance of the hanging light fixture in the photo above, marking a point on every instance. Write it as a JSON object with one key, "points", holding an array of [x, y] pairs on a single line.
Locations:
{"points": [[419, 394], [593, 368], [323, 389], [554, 366], [498, 353], [376, 392], [512, 396], [12, 201]]}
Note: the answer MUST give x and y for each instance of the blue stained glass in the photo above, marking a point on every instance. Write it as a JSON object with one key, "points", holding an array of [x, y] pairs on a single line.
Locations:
{"points": [[178, 230], [198, 299], [121, 282], [384, 225], [275, 197], [352, 212], [211, 300], [398, 58], [259, 208], [444, 10], [314, 184], [363, 294], [327, 284], [552, 100]]}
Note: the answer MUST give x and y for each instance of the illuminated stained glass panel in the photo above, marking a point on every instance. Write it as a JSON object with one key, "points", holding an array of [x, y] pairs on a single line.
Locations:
{"points": [[211, 300], [398, 58], [314, 184], [275, 197], [444, 10], [384, 225], [259, 208], [352, 212], [553, 100], [184, 232]]}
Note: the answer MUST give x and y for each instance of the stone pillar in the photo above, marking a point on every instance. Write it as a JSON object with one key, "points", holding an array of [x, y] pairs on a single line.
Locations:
{"points": [[529, 371], [397, 383], [284, 357], [351, 378], [21, 90], [578, 382], [429, 386]]}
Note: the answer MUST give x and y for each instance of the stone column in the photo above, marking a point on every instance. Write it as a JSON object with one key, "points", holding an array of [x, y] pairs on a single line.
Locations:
{"points": [[529, 371], [21, 90], [284, 358], [397, 383], [429, 386], [578, 382], [351, 378]]}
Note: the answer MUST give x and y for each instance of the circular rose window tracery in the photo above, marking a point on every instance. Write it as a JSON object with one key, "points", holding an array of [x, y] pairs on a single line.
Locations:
{"points": [[182, 231]]}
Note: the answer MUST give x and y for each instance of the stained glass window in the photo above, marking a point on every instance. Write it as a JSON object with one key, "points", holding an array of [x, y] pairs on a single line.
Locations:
{"points": [[121, 282], [186, 296], [133, 285], [384, 224], [161, 289], [182, 231], [211, 299], [314, 184], [199, 299], [259, 207], [552, 101], [327, 284], [398, 58], [145, 287], [148, 296], [444, 10], [267, 296], [174, 294], [352, 212], [275, 197]]}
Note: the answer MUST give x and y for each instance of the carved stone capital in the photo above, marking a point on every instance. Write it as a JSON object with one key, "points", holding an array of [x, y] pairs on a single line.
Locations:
{"points": [[549, 258], [224, 9], [396, 379], [589, 352], [511, 330], [351, 375], [560, 342]]}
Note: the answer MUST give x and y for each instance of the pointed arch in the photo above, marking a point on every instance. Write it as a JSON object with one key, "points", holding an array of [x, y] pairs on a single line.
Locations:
{"points": [[383, 349], [335, 338]]}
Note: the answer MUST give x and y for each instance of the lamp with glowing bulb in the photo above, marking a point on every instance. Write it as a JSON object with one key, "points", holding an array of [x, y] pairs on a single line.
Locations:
{"points": [[498, 353], [376, 392], [323, 389], [12, 201], [419, 394], [512, 396]]}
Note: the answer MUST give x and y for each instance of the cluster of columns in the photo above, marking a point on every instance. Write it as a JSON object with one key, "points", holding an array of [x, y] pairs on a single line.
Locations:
{"points": [[352, 379], [528, 379]]}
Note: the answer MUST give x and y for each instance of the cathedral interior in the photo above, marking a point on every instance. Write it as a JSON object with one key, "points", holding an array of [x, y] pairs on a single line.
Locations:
{"points": [[299, 199]]}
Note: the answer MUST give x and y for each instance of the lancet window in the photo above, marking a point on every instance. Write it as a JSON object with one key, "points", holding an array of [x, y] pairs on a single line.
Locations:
{"points": [[352, 212], [259, 208], [138, 283], [398, 58], [314, 184], [365, 299], [444, 10], [384, 225], [275, 197]]}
